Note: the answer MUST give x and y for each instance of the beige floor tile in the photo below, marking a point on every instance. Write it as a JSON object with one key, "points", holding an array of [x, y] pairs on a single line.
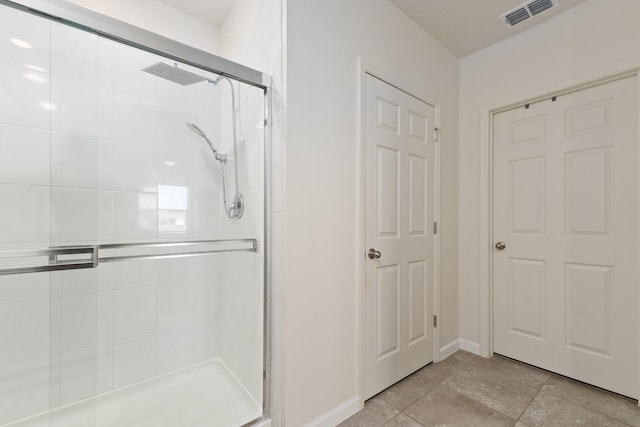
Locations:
{"points": [[547, 410], [412, 388], [609, 404], [499, 388], [444, 406], [402, 420], [376, 412]]}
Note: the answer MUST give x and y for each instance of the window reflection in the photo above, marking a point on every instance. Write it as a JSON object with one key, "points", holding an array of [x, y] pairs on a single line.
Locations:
{"points": [[172, 208]]}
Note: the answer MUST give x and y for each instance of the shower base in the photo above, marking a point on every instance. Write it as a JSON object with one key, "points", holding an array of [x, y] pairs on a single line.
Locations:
{"points": [[205, 395]]}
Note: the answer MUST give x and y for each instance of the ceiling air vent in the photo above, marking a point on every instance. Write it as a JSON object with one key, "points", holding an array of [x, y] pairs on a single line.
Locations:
{"points": [[526, 11]]}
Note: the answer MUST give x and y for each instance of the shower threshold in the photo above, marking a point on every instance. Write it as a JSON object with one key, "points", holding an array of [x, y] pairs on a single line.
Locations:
{"points": [[204, 395]]}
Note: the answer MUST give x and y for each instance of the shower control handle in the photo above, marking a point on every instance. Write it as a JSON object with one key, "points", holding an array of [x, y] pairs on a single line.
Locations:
{"points": [[373, 254]]}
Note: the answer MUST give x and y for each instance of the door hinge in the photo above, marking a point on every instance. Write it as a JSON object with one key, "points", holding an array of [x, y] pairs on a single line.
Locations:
{"points": [[436, 134], [435, 321], [435, 227]]}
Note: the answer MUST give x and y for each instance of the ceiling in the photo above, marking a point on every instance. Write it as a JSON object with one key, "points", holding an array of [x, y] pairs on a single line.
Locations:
{"points": [[212, 11], [462, 26], [466, 26]]}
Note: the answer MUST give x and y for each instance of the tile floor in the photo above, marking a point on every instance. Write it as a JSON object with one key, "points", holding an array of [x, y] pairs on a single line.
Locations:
{"points": [[467, 390]]}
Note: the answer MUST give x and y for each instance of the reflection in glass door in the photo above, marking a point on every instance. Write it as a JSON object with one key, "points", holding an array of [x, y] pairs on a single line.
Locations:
{"points": [[128, 293]]}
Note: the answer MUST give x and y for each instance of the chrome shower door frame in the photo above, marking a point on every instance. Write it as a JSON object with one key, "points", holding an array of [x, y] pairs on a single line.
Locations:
{"points": [[104, 26]]}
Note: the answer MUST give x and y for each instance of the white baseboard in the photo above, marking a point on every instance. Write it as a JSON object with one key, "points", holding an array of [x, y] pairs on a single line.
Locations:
{"points": [[449, 349], [471, 347], [338, 414]]}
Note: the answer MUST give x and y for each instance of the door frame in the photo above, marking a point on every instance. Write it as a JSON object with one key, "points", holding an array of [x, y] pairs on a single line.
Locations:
{"points": [[485, 189], [366, 68]]}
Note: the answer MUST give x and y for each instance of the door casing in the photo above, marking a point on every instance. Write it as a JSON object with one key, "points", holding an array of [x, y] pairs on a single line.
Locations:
{"points": [[485, 197], [365, 68]]}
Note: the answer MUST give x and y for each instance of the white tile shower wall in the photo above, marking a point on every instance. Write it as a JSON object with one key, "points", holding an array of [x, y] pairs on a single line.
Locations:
{"points": [[242, 281], [91, 148]]}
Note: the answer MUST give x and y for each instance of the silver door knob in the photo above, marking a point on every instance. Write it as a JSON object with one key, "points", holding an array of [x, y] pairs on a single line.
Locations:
{"points": [[500, 246], [373, 254]]}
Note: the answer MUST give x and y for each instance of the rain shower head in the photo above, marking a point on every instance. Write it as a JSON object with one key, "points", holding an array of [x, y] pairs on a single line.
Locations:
{"points": [[176, 75]]}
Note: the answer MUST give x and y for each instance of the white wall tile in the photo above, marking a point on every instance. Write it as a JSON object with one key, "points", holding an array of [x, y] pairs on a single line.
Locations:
{"points": [[200, 96], [24, 217], [135, 311], [135, 167], [81, 161], [173, 132], [176, 348], [207, 300], [105, 316], [176, 305], [176, 212], [128, 74], [206, 344], [106, 114], [177, 168], [78, 321], [24, 330], [135, 119], [105, 367], [77, 106], [135, 215], [178, 270], [74, 282], [55, 330], [209, 178], [105, 276], [78, 379], [74, 53], [26, 101], [74, 216], [24, 389], [24, 287], [134, 273], [134, 359], [210, 216], [16, 24], [24, 155], [105, 216], [105, 62], [54, 383]]}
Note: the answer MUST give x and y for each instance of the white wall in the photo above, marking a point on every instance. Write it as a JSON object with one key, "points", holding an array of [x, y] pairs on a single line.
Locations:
{"points": [[588, 41], [324, 40], [160, 18]]}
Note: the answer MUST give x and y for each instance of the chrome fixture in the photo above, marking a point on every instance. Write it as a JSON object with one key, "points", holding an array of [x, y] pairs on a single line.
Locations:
{"points": [[185, 78], [501, 246], [373, 254], [200, 133]]}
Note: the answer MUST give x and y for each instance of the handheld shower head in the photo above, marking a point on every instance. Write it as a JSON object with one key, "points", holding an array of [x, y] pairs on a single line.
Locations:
{"points": [[195, 129]]}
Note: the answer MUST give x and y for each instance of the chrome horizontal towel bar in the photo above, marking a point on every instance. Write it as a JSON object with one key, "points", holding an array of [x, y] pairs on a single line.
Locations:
{"points": [[70, 257], [54, 263], [199, 247]]}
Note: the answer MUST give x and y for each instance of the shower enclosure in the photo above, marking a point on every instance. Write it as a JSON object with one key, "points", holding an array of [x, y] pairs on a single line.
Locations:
{"points": [[132, 228]]}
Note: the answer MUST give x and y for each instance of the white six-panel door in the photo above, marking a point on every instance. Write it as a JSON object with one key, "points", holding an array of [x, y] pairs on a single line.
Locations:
{"points": [[399, 212], [566, 207]]}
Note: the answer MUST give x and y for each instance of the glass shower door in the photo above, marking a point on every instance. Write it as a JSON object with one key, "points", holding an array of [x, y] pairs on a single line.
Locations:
{"points": [[48, 228]]}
